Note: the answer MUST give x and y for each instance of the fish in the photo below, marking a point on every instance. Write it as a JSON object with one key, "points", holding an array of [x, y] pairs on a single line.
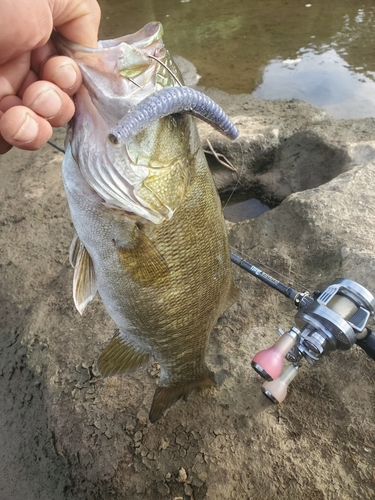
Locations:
{"points": [[150, 235]]}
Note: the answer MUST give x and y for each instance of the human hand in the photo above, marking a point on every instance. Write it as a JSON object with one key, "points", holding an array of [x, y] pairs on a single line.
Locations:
{"points": [[35, 83]]}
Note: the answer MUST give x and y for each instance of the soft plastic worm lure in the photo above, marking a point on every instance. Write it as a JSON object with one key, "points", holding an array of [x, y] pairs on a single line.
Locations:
{"points": [[169, 101]]}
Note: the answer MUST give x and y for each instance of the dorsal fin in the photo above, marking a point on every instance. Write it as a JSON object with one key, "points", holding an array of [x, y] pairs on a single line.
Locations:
{"points": [[120, 357], [84, 282]]}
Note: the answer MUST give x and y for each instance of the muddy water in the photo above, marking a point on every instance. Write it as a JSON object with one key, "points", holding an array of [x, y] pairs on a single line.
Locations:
{"points": [[323, 52]]}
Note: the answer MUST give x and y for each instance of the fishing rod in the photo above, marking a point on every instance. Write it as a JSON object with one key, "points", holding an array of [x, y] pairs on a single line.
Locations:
{"points": [[326, 321], [333, 319]]}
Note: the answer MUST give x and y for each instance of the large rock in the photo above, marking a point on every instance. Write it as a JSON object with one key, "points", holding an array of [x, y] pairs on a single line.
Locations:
{"points": [[285, 146], [67, 434]]}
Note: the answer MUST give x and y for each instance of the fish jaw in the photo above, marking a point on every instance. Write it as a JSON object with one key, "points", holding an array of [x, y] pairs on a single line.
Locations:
{"points": [[122, 72]]}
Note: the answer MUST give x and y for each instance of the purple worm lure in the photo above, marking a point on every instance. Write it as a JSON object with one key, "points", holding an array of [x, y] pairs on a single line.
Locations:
{"points": [[169, 101]]}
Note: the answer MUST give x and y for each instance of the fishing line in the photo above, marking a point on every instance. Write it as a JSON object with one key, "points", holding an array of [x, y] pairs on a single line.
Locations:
{"points": [[56, 146], [168, 69], [238, 179], [222, 159]]}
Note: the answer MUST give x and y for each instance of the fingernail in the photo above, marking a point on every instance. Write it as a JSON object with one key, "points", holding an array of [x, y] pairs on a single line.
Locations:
{"points": [[65, 76], [48, 104], [28, 131]]}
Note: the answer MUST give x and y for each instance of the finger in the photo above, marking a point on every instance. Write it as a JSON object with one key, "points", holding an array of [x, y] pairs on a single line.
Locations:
{"points": [[78, 20], [9, 102], [4, 145], [49, 102], [31, 77], [63, 72], [11, 79], [31, 21], [23, 128], [41, 54]]}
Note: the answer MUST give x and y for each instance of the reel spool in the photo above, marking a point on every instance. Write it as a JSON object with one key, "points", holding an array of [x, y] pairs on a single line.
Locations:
{"points": [[334, 319]]}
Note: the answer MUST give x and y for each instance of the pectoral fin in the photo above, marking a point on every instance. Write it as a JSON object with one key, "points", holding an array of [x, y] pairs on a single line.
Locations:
{"points": [[166, 396], [120, 357], [143, 261], [84, 282]]}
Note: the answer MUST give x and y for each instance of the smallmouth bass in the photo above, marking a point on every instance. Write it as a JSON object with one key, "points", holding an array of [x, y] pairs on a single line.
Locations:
{"points": [[151, 237]]}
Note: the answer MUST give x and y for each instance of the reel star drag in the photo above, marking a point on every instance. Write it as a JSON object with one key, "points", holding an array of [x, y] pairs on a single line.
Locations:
{"points": [[333, 319]]}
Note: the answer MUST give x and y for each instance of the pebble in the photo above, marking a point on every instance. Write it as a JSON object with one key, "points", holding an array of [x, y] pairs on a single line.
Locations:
{"points": [[164, 443], [137, 436], [142, 417], [182, 476]]}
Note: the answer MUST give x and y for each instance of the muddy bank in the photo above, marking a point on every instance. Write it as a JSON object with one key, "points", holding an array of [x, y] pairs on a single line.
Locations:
{"points": [[67, 434]]}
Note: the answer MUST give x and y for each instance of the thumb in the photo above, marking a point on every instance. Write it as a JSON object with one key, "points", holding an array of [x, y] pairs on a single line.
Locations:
{"points": [[77, 20]]}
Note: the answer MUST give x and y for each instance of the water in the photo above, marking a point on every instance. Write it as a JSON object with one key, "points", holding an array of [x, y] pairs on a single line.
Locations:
{"points": [[323, 54], [244, 210]]}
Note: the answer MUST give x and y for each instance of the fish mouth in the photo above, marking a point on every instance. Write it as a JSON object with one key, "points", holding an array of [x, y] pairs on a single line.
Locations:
{"points": [[123, 71]]}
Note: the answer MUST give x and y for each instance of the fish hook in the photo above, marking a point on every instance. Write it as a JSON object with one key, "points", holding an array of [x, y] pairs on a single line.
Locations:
{"points": [[168, 69]]}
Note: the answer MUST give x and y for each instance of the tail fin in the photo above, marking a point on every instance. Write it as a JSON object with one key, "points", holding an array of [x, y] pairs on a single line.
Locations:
{"points": [[166, 396]]}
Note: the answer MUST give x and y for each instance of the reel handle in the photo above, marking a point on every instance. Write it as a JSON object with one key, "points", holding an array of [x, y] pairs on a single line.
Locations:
{"points": [[368, 344], [276, 389], [269, 362]]}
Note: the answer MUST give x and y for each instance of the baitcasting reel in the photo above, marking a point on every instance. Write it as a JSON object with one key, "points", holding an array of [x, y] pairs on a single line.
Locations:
{"points": [[333, 319]]}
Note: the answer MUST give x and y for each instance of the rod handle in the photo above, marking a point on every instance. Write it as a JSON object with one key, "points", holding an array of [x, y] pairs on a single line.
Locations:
{"points": [[368, 344]]}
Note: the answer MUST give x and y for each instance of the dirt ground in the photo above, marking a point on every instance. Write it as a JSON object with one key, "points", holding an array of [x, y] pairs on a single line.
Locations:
{"points": [[67, 434]]}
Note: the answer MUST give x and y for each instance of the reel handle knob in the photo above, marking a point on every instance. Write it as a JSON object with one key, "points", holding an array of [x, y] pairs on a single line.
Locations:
{"points": [[276, 389], [269, 363]]}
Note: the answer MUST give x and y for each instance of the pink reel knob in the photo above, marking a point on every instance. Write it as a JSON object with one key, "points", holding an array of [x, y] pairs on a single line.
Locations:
{"points": [[276, 389], [269, 363]]}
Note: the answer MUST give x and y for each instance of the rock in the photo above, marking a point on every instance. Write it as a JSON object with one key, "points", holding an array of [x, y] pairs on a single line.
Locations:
{"points": [[280, 150]]}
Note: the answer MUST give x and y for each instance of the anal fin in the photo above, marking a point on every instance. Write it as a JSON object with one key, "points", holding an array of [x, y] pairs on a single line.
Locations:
{"points": [[120, 357], [166, 396]]}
